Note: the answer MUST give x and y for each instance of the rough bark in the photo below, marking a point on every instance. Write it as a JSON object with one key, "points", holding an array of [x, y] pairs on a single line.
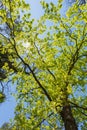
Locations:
{"points": [[68, 119]]}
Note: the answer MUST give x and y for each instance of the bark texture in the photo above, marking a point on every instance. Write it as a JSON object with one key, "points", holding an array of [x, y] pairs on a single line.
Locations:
{"points": [[68, 119]]}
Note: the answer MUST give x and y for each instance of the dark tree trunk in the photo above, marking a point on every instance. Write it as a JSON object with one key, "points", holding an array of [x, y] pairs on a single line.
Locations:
{"points": [[68, 119]]}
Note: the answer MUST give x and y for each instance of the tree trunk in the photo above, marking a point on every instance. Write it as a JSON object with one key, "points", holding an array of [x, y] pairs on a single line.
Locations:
{"points": [[68, 119]]}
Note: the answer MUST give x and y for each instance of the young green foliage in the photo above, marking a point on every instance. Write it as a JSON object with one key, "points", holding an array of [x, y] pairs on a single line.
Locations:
{"points": [[50, 62]]}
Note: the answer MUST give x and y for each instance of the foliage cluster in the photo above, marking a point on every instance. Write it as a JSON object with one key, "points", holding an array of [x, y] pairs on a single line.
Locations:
{"points": [[51, 72]]}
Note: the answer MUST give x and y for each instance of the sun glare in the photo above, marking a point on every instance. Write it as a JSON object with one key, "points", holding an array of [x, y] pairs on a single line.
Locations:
{"points": [[26, 44]]}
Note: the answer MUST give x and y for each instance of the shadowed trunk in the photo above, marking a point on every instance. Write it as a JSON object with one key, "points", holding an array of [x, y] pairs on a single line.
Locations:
{"points": [[68, 119]]}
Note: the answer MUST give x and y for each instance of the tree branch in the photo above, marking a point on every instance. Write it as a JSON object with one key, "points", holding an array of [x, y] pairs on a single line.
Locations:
{"points": [[44, 62], [42, 121], [81, 107], [33, 74]]}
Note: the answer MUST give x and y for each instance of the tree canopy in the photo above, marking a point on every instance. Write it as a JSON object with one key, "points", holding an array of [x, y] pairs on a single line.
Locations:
{"points": [[47, 60]]}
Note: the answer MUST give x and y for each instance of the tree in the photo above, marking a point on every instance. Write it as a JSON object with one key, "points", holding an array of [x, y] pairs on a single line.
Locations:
{"points": [[51, 63], [5, 126]]}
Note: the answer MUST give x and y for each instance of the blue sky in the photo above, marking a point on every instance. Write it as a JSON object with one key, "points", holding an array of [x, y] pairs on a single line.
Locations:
{"points": [[7, 108]]}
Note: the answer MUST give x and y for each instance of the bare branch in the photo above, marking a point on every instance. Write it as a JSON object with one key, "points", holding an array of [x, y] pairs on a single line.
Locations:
{"points": [[44, 62], [81, 107], [43, 121]]}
